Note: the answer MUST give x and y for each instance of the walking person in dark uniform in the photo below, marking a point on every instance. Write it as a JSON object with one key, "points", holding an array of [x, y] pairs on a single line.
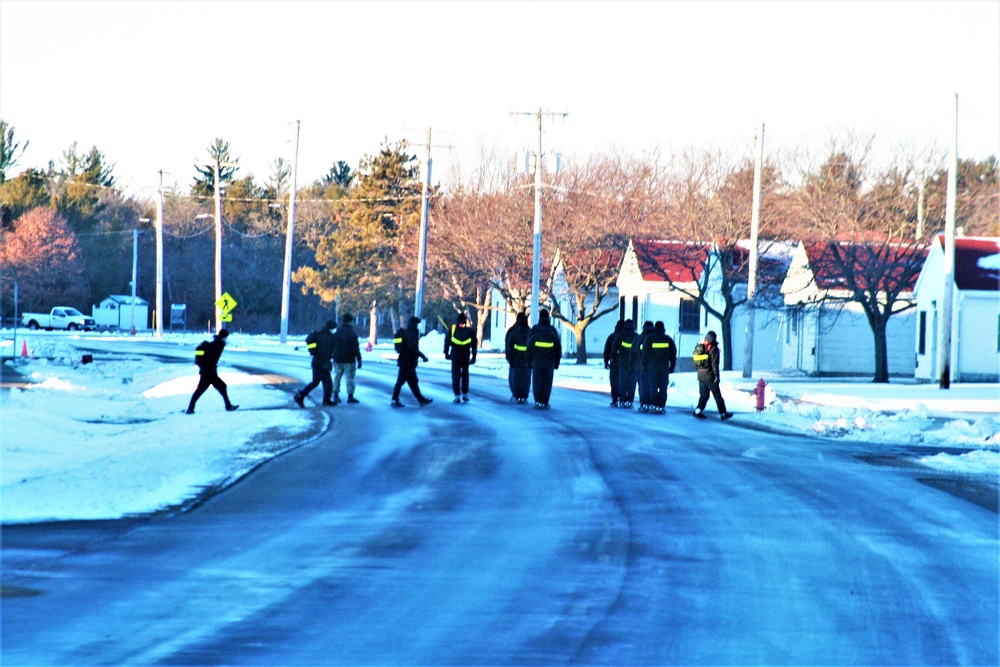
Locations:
{"points": [[637, 362], [320, 346], [659, 358], [611, 362], [460, 347], [516, 351], [346, 353], [706, 362], [626, 368], [207, 355], [408, 346], [544, 352]]}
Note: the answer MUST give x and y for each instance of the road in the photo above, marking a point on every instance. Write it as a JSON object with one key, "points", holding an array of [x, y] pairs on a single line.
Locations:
{"points": [[491, 533]]}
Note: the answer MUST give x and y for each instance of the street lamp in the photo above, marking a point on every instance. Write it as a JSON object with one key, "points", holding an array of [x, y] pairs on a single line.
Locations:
{"points": [[218, 265]]}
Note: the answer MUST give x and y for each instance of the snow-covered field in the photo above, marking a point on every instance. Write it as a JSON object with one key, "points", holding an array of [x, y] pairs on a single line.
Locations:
{"points": [[110, 438]]}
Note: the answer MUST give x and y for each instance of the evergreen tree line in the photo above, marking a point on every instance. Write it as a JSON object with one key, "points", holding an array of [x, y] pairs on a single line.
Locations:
{"points": [[66, 232]]}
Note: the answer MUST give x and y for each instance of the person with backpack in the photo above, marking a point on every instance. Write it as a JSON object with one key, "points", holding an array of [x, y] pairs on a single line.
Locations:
{"points": [[516, 353], [407, 342], [320, 346], [659, 356], [626, 369], [460, 348], [706, 363], [611, 362], [346, 352], [206, 356], [543, 353]]}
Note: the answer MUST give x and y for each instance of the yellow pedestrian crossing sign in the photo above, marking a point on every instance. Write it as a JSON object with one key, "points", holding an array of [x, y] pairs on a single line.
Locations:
{"points": [[226, 303]]}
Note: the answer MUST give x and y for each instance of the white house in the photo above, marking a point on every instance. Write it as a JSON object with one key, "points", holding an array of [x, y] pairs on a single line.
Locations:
{"points": [[656, 274], [825, 338], [975, 333], [116, 312]]}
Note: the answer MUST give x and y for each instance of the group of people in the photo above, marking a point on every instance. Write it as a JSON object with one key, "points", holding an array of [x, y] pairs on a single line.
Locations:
{"points": [[642, 360], [532, 353], [332, 349]]}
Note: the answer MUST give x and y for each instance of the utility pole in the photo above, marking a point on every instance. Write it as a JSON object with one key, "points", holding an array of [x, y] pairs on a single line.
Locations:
{"points": [[754, 237], [537, 244], [944, 334], [159, 259], [286, 279], [135, 273], [418, 305]]}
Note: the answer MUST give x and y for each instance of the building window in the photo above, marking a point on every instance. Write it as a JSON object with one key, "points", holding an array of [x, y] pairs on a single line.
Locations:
{"points": [[689, 313], [922, 333]]}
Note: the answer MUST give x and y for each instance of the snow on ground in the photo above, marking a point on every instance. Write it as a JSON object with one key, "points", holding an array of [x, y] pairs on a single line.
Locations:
{"points": [[110, 438]]}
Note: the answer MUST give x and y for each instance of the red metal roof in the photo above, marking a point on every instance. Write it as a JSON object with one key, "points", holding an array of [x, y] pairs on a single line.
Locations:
{"points": [[870, 264], [678, 261], [977, 262]]}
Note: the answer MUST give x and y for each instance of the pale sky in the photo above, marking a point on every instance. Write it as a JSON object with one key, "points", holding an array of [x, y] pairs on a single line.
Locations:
{"points": [[152, 84]]}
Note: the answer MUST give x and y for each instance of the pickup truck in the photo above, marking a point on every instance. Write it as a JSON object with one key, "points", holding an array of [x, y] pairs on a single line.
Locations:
{"points": [[61, 317]]}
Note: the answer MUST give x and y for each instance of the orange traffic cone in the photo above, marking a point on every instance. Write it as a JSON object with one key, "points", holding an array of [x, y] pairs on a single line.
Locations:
{"points": [[24, 348]]}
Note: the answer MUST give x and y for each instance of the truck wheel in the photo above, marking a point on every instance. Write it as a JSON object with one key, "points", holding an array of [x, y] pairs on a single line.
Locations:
{"points": [[33, 325], [72, 327]]}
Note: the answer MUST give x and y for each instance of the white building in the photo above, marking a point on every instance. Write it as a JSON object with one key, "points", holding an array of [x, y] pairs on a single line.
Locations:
{"points": [[116, 312], [835, 338], [975, 333]]}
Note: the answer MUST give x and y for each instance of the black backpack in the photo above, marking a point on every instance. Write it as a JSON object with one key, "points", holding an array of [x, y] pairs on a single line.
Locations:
{"points": [[311, 342], [397, 339], [199, 353], [700, 356]]}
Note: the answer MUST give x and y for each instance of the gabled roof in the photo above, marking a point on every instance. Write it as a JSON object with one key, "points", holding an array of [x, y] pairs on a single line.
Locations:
{"points": [[679, 261], [977, 262], [884, 264]]}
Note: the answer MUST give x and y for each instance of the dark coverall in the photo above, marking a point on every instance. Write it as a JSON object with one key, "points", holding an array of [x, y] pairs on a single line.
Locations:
{"points": [[544, 352], [659, 358], [516, 352], [708, 382], [460, 347], [645, 395], [320, 344], [626, 370], [611, 362], [409, 353]]}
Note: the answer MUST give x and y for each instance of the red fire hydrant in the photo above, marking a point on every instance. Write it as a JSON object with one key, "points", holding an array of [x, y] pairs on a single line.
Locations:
{"points": [[759, 393]]}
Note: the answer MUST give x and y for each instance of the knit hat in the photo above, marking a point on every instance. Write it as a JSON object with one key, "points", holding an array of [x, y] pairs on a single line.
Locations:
{"points": [[414, 320], [462, 319], [543, 315], [347, 318], [223, 333], [331, 324], [522, 318], [659, 327], [710, 337]]}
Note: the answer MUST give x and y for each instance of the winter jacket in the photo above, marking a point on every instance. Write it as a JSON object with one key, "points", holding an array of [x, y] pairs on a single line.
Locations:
{"points": [[623, 346], [638, 345], [711, 373], [346, 349], [544, 346], [516, 345], [207, 354], [320, 345], [460, 344], [659, 353], [610, 357], [408, 345]]}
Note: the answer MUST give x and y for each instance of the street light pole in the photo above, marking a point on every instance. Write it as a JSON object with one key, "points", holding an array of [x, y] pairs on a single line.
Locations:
{"points": [[135, 272], [218, 244], [286, 278], [159, 259], [418, 309]]}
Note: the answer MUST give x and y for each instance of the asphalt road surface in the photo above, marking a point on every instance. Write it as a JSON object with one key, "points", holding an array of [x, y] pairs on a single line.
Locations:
{"points": [[493, 533]]}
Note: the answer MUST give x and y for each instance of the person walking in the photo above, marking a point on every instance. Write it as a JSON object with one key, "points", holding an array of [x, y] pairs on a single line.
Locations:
{"points": [[407, 343], [320, 346], [544, 351], [461, 348], [626, 368], [516, 352], [611, 362], [637, 362], [706, 362], [346, 353], [659, 358], [207, 355]]}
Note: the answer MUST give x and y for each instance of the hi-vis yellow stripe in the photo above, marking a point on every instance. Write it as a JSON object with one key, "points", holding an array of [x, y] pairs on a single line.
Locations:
{"points": [[311, 346], [397, 341], [520, 348], [699, 357], [455, 341], [658, 346], [541, 344], [626, 345], [199, 353]]}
